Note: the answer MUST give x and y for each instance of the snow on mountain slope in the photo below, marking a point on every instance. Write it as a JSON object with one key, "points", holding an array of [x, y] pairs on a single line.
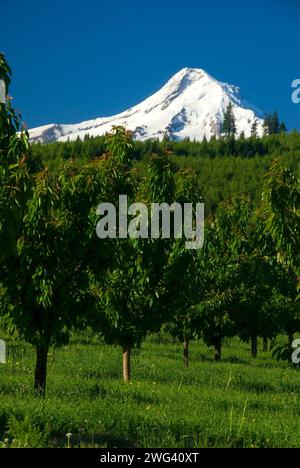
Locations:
{"points": [[190, 105]]}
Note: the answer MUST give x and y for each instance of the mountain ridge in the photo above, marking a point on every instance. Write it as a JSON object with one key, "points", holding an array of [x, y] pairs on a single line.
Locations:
{"points": [[190, 105]]}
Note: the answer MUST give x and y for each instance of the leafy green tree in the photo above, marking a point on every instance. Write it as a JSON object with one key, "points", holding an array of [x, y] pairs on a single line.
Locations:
{"points": [[134, 294], [256, 312], [218, 264], [281, 217], [52, 258], [14, 167], [46, 227], [280, 210], [184, 294], [15, 187]]}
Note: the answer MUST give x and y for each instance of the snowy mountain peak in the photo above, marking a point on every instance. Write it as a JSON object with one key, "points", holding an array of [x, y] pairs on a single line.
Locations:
{"points": [[192, 74], [190, 105]]}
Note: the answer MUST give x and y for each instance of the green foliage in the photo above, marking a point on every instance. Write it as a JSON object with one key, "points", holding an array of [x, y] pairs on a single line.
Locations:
{"points": [[138, 279], [281, 211], [5, 71], [55, 154], [220, 175], [272, 125], [218, 271], [47, 231], [56, 276], [188, 190], [25, 433], [229, 125]]}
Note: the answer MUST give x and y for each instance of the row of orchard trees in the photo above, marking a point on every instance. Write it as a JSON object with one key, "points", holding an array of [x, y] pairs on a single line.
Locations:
{"points": [[244, 281], [56, 275]]}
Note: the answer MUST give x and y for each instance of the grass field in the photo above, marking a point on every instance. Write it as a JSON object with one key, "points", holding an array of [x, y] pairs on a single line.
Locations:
{"points": [[236, 403]]}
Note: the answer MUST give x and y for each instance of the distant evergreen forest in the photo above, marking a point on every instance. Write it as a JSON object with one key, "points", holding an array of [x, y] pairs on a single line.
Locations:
{"points": [[226, 167]]}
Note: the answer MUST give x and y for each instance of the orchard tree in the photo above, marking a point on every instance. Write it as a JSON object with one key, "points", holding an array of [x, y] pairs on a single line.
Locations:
{"points": [[256, 312], [281, 217], [254, 290], [281, 214], [183, 294], [15, 189], [52, 261], [47, 228], [218, 266], [133, 295], [15, 183]]}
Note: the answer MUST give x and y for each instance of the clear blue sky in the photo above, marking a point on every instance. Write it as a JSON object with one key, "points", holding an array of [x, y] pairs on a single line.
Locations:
{"points": [[76, 60]]}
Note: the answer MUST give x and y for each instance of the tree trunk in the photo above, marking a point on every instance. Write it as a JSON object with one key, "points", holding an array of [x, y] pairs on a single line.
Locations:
{"points": [[126, 363], [254, 347], [218, 349], [290, 339], [186, 352], [41, 369], [265, 345]]}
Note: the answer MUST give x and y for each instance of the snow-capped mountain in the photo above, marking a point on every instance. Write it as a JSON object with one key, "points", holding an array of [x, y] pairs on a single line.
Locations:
{"points": [[190, 105]]}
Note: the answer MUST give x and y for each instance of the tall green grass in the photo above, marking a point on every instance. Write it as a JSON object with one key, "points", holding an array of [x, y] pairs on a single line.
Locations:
{"points": [[236, 403]]}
